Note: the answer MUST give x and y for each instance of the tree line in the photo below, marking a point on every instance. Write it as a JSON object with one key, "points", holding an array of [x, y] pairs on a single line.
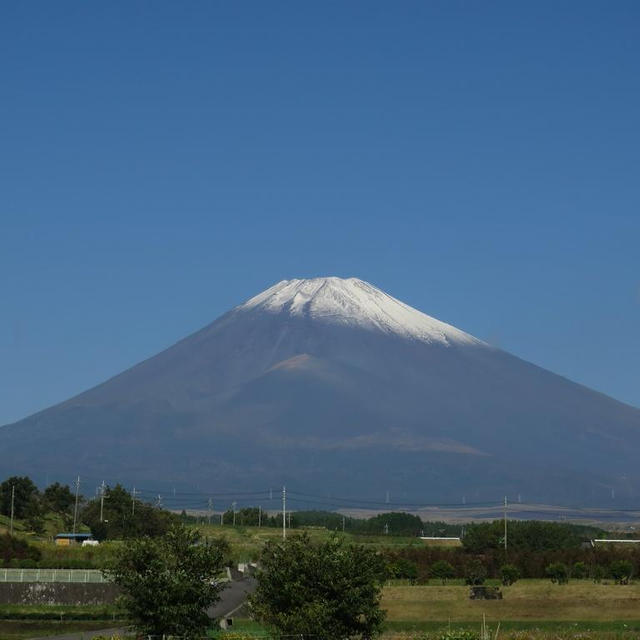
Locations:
{"points": [[114, 515]]}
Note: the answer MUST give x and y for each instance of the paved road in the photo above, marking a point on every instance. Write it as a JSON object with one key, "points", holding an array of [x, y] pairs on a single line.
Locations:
{"points": [[232, 598]]}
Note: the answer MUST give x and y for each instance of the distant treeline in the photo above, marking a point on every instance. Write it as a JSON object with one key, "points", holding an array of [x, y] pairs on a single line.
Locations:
{"points": [[421, 564], [532, 535], [393, 524]]}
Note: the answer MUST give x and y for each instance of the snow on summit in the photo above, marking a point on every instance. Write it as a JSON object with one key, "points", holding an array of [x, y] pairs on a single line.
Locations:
{"points": [[352, 301]]}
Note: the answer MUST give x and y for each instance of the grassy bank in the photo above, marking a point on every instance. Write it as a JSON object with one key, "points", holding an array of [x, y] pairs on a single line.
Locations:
{"points": [[23, 629], [60, 612]]}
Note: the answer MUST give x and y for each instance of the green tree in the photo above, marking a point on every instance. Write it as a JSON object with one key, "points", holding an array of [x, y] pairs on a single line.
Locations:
{"points": [[621, 571], [558, 572], [597, 573], [58, 498], [509, 574], [475, 572], [442, 570], [579, 570], [25, 497], [403, 568], [326, 590], [121, 520], [168, 583]]}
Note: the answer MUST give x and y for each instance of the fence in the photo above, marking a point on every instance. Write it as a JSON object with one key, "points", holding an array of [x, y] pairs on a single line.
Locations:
{"points": [[52, 575]]}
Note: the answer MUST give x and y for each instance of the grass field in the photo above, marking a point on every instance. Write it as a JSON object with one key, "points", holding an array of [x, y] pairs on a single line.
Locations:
{"points": [[527, 600], [246, 542]]}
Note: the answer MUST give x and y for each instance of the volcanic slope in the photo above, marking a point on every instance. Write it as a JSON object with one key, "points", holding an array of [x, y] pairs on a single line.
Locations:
{"points": [[335, 388]]}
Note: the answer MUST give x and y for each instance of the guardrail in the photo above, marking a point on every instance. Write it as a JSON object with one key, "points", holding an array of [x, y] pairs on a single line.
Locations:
{"points": [[52, 575]]}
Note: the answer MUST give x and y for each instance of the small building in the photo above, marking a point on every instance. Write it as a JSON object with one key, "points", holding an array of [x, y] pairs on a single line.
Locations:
{"points": [[68, 539]]}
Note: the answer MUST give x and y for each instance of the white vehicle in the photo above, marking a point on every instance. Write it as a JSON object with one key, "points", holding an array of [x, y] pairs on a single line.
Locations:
{"points": [[90, 543]]}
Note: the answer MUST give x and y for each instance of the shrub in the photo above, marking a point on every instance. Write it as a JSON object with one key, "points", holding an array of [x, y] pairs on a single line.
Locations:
{"points": [[509, 574], [597, 573], [558, 572], [475, 572], [14, 550], [621, 571], [442, 570], [579, 570]]}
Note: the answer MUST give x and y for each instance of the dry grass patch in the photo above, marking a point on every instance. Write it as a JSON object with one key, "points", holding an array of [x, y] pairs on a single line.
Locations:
{"points": [[525, 600]]}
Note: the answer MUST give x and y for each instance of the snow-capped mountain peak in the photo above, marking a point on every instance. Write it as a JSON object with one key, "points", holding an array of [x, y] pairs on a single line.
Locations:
{"points": [[354, 302]]}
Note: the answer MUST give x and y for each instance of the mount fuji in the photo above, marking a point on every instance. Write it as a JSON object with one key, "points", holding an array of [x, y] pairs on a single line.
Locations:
{"points": [[333, 387]]}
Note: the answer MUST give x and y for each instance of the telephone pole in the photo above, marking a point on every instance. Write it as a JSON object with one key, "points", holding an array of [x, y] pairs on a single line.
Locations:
{"points": [[233, 506], [75, 509], [210, 508], [342, 524], [505, 525], [259, 516], [102, 501], [13, 499], [133, 501], [284, 513]]}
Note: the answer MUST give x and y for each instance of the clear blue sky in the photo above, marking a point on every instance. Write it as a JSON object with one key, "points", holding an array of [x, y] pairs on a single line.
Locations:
{"points": [[162, 161]]}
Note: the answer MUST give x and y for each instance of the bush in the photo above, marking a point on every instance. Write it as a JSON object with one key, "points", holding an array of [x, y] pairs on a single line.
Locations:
{"points": [[621, 571], [332, 586], [475, 572], [403, 569], [509, 574], [597, 573], [442, 570], [14, 550], [579, 571], [558, 572]]}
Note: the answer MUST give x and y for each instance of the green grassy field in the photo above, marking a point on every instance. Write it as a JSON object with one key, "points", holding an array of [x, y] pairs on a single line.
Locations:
{"points": [[527, 600], [246, 542]]}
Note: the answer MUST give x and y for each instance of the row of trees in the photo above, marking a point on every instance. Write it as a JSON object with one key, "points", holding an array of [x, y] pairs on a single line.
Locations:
{"points": [[114, 515], [420, 565], [32, 505], [528, 535]]}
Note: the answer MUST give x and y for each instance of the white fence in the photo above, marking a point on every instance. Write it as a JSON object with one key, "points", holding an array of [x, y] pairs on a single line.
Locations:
{"points": [[51, 575]]}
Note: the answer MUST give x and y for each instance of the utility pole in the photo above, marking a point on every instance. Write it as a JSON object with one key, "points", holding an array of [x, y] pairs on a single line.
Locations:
{"points": [[210, 508], [133, 501], [159, 501], [505, 525], [284, 513], [102, 502], [13, 499], [343, 524], [75, 509], [259, 516], [233, 506]]}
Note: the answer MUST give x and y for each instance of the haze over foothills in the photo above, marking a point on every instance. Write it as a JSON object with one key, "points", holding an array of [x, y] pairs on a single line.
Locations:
{"points": [[159, 166]]}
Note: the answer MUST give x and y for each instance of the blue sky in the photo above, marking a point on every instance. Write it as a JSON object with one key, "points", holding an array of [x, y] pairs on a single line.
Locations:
{"points": [[162, 161]]}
